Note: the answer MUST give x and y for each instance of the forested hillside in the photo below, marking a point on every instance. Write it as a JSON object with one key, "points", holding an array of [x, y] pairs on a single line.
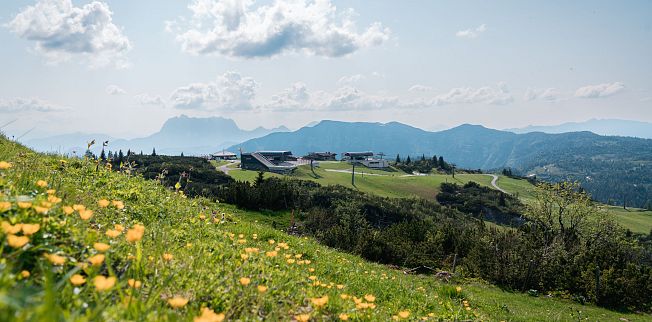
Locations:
{"points": [[613, 169]]}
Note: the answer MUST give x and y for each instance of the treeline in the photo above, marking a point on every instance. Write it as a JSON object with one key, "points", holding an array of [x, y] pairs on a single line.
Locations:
{"points": [[582, 253], [423, 164], [483, 203], [195, 176]]}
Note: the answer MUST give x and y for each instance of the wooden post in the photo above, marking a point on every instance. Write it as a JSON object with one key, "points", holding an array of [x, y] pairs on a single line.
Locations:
{"points": [[454, 263], [529, 273], [597, 283]]}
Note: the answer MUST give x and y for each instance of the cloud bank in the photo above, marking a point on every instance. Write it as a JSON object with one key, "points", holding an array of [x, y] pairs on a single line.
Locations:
{"points": [[17, 105], [600, 90], [61, 31], [239, 29]]}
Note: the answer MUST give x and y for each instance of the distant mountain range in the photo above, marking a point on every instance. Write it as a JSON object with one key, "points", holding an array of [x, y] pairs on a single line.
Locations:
{"points": [[192, 136], [613, 168], [603, 127]]}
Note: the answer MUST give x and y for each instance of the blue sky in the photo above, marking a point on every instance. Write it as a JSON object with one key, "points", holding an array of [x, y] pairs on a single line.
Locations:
{"points": [[124, 67]]}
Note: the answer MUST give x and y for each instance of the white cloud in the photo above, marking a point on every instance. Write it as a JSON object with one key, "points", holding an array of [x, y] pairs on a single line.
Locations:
{"points": [[419, 88], [499, 95], [294, 97], [62, 31], [18, 105], [351, 79], [237, 28], [600, 90], [548, 94], [230, 91], [115, 90], [472, 33], [147, 99]]}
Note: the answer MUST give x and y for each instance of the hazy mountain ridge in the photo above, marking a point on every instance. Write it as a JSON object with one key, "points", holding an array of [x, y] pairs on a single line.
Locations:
{"points": [[192, 136], [613, 168], [599, 126]]}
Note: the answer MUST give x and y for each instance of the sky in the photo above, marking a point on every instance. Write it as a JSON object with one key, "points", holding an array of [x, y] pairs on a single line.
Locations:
{"points": [[124, 67]]}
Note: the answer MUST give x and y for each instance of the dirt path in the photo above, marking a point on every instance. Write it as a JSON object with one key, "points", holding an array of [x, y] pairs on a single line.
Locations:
{"points": [[493, 183], [225, 168]]}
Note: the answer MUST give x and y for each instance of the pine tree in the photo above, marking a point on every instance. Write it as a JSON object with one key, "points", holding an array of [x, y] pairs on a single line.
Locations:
{"points": [[120, 156], [103, 155], [408, 161], [154, 152], [129, 152], [435, 163], [398, 159], [181, 153], [423, 157], [442, 163]]}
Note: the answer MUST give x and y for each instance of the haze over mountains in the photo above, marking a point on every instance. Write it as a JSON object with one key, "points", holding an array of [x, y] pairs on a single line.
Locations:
{"points": [[598, 126], [190, 135], [612, 168]]}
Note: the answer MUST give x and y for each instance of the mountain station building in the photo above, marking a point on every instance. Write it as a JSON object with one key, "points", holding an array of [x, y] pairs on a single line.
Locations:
{"points": [[272, 161]]}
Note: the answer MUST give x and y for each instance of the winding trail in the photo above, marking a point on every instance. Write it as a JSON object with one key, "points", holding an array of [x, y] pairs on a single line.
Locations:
{"points": [[493, 183], [225, 168]]}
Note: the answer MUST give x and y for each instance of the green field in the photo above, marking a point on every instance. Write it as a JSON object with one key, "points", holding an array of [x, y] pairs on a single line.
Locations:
{"points": [[383, 183], [187, 260], [395, 183]]}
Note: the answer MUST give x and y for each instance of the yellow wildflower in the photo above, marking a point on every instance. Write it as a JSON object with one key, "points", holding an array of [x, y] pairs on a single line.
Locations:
{"points": [[319, 301], [103, 283], [85, 214], [290, 261], [262, 288], [68, 210], [244, 256], [113, 233], [25, 274], [344, 296], [51, 191], [54, 199], [245, 281], [208, 315], [55, 259], [78, 207], [4, 206], [135, 233], [177, 302], [96, 260], [312, 278], [134, 283], [41, 210], [302, 317], [340, 286], [118, 204], [369, 298], [11, 229], [17, 241], [42, 183], [271, 242], [168, 256], [271, 254], [103, 203], [298, 256], [343, 317], [101, 247], [4, 165], [77, 280], [404, 314], [24, 204], [30, 229], [458, 289]]}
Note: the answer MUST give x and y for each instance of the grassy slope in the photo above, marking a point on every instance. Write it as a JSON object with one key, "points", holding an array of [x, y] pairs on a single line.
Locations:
{"points": [[207, 262], [634, 219], [387, 183]]}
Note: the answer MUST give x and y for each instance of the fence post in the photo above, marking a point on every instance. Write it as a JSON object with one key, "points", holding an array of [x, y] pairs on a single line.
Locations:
{"points": [[597, 283], [454, 263]]}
